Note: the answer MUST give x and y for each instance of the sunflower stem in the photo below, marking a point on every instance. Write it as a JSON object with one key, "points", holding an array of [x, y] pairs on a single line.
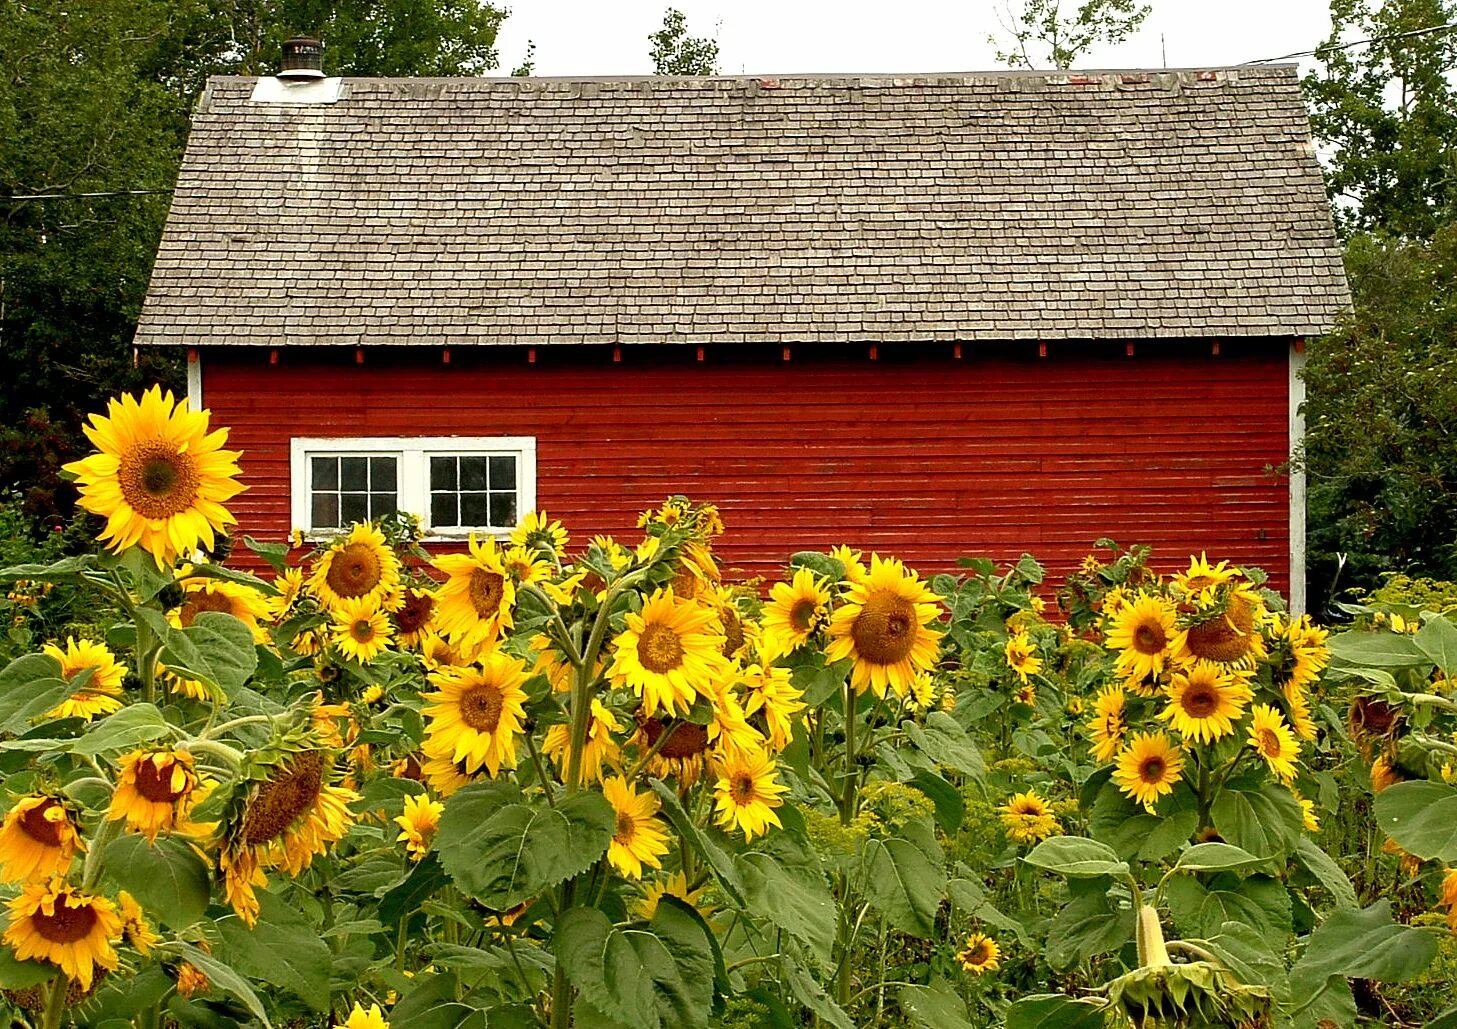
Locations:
{"points": [[217, 731], [56, 1003], [146, 660], [847, 796], [107, 831], [233, 758]]}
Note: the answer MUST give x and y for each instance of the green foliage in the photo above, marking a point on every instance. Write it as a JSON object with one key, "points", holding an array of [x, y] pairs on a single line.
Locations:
{"points": [[675, 52], [1043, 35]]}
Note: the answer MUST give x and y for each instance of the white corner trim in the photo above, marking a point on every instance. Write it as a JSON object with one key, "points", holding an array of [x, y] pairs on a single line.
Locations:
{"points": [[413, 453], [194, 380], [1297, 482]]}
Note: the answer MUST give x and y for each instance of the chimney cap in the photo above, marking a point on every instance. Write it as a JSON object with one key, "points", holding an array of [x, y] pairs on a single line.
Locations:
{"points": [[303, 59]]}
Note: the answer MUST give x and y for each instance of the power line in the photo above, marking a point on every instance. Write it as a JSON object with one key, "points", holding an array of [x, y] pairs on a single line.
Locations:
{"points": [[87, 196], [1429, 30]]}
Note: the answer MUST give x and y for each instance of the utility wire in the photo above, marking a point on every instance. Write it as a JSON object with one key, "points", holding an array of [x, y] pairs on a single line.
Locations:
{"points": [[1429, 30], [86, 196]]}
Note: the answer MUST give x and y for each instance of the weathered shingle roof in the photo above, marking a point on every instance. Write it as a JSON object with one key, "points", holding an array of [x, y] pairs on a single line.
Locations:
{"points": [[804, 208]]}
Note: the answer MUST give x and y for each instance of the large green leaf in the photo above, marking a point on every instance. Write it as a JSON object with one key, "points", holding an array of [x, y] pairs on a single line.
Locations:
{"points": [[1422, 817], [132, 725], [650, 978], [1076, 857], [168, 879], [1381, 649], [503, 849], [812, 995], [17, 975], [224, 978], [950, 805], [931, 1007], [718, 860], [1054, 1011], [1201, 909], [1363, 945], [283, 950], [1213, 857], [1267, 822], [1089, 924], [1324, 868], [904, 883], [29, 687], [946, 743], [1438, 640], [1246, 951], [216, 649], [783, 882], [1133, 832]]}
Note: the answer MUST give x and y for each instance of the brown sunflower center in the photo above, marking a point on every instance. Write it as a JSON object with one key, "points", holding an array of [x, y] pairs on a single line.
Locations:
{"points": [[283, 798], [1200, 700], [1227, 637], [414, 613], [626, 828], [199, 601], [362, 630], [884, 630], [40, 828], [480, 707], [741, 788], [155, 785], [802, 614], [67, 925], [687, 740], [1269, 743], [1151, 770], [1149, 638], [733, 633], [1028, 809], [487, 589], [659, 649], [157, 479], [978, 953], [354, 570]]}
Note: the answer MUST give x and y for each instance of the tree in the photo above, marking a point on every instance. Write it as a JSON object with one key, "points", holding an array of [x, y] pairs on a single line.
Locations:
{"points": [[677, 53], [1041, 34], [1388, 112]]}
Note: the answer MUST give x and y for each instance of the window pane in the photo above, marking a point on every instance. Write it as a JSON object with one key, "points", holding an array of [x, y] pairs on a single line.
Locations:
{"points": [[325, 511], [353, 473], [326, 472], [354, 507], [381, 504], [473, 509], [503, 476], [503, 508], [381, 474], [442, 473], [442, 510], [472, 473]]}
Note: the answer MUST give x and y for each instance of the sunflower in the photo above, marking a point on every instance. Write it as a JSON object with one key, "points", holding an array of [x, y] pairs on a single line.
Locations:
{"points": [[729, 730], [418, 824], [747, 793], [1202, 579], [290, 586], [600, 747], [796, 611], [772, 696], [1384, 775], [359, 1018], [1205, 701], [1273, 741], [1448, 897], [361, 630], [415, 617], [1143, 631], [1229, 633], [1308, 817], [476, 713], [440, 773], [135, 929], [1108, 724], [160, 479], [101, 694], [55, 922], [475, 603], [669, 653], [155, 791], [1025, 694], [200, 594], [850, 561], [1148, 767], [526, 566], [884, 625], [358, 566], [537, 532], [981, 954], [191, 981], [675, 885], [640, 837], [1021, 656], [1028, 818], [683, 755], [1299, 707], [37, 839], [697, 571], [551, 663]]}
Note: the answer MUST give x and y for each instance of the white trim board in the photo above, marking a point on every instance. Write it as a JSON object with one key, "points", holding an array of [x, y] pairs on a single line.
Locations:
{"points": [[194, 380], [1297, 480]]}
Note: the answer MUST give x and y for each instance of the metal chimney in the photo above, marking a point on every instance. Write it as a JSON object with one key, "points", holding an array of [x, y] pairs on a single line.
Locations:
{"points": [[303, 59]]}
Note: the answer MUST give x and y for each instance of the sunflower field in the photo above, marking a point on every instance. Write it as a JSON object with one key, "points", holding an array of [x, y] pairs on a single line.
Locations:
{"points": [[549, 782]]}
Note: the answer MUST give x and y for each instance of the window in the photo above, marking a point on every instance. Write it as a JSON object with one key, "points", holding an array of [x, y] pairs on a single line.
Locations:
{"points": [[457, 484]]}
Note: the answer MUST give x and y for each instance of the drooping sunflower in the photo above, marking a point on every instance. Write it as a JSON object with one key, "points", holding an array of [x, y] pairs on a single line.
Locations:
{"points": [[1148, 767], [795, 612], [884, 624], [1273, 741], [418, 824], [1143, 632], [1108, 724], [775, 700], [37, 839], [415, 617], [537, 532], [358, 566], [101, 694], [53, 921], [200, 594], [747, 792], [1205, 701], [476, 713], [683, 755], [981, 954], [1308, 817], [475, 603], [160, 479], [640, 837], [135, 929], [1227, 632], [290, 586], [1028, 818], [360, 1018], [729, 730], [600, 748], [361, 630], [155, 791], [1021, 656], [669, 653]]}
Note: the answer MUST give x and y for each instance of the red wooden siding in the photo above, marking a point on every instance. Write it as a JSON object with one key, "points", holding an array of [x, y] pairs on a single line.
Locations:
{"points": [[914, 454]]}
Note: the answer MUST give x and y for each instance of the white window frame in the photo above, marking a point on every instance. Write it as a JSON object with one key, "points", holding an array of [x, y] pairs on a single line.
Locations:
{"points": [[412, 454]]}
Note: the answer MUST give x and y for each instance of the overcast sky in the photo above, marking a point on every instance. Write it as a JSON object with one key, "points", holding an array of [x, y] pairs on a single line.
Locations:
{"points": [[609, 37]]}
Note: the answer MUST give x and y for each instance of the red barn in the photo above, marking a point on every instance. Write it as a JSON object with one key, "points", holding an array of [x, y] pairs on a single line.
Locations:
{"points": [[929, 315]]}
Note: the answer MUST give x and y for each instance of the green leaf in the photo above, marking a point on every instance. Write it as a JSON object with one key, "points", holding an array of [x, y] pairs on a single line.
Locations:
{"points": [[1246, 951], [1134, 833], [168, 879], [1363, 945], [1088, 925], [283, 950], [1266, 822], [503, 850], [67, 569], [645, 979], [903, 883], [1327, 872], [1381, 649], [812, 995], [424, 879], [1211, 857], [224, 978], [933, 1008], [17, 975], [216, 649], [1054, 1011], [950, 806], [1076, 856], [233, 575], [276, 554], [132, 725], [1422, 817], [1201, 909], [1444, 1020], [29, 687], [1438, 640], [1028, 568], [783, 882], [717, 859], [945, 742], [822, 565]]}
